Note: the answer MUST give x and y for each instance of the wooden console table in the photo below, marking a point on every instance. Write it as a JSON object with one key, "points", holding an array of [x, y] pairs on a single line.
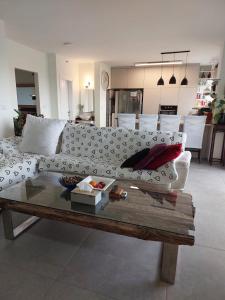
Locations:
{"points": [[217, 128]]}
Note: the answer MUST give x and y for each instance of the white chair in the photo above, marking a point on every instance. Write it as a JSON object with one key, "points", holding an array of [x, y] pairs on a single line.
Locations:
{"points": [[148, 122], [169, 122], [126, 120], [194, 127]]}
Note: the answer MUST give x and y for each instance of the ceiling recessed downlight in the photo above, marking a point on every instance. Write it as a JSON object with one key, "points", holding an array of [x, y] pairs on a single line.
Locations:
{"points": [[158, 63], [67, 44]]}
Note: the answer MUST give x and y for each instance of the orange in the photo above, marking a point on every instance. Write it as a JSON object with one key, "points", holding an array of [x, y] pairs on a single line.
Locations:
{"points": [[93, 183]]}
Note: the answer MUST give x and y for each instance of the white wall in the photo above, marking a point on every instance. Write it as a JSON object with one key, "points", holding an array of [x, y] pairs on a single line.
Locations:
{"points": [[25, 58], [53, 83], [183, 96], [221, 84], [100, 94], [86, 74], [68, 69], [6, 104]]}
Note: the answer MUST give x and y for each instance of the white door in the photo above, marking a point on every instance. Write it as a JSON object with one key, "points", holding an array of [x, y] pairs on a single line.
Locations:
{"points": [[65, 99]]}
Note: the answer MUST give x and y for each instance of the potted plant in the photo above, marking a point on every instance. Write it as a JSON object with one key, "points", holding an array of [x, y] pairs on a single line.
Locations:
{"points": [[19, 122]]}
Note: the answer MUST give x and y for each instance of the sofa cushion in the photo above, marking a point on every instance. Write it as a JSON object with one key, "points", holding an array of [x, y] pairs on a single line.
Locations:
{"points": [[169, 153], [154, 152], [41, 135], [135, 158], [16, 169], [10, 145], [81, 165], [85, 165], [163, 175], [114, 144]]}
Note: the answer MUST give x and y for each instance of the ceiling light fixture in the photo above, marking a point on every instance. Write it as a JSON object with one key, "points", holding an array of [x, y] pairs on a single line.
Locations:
{"points": [[184, 81], [67, 44], [161, 81], [173, 78], [158, 63]]}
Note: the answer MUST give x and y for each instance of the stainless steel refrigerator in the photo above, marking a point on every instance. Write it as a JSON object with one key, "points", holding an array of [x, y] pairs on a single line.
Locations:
{"points": [[128, 101]]}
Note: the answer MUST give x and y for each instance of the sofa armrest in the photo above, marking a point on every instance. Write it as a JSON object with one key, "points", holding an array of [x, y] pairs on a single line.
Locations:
{"points": [[10, 145], [182, 165]]}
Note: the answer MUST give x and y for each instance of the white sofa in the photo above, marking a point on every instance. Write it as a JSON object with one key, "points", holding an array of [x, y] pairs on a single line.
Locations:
{"points": [[99, 151]]}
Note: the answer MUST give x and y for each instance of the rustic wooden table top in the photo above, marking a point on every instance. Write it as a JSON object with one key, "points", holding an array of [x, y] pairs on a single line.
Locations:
{"points": [[145, 214]]}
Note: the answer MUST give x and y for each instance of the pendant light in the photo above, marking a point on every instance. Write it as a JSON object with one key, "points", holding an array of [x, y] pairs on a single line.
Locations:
{"points": [[173, 78], [184, 81], [161, 81]]}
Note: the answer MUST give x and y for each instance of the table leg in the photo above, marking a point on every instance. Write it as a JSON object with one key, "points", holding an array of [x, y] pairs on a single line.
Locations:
{"points": [[10, 232], [169, 262], [212, 147]]}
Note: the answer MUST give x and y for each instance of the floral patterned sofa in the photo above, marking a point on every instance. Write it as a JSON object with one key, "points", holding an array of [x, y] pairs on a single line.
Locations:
{"points": [[99, 151]]}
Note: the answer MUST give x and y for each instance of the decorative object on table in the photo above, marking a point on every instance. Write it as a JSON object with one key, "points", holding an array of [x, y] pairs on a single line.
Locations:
{"points": [[117, 193], [92, 197], [105, 80], [218, 109], [95, 183], [69, 182], [90, 190]]}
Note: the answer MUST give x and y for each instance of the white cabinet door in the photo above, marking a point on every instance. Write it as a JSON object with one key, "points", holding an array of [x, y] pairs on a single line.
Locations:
{"points": [[187, 100], [151, 101], [151, 77], [135, 78], [119, 78], [169, 95]]}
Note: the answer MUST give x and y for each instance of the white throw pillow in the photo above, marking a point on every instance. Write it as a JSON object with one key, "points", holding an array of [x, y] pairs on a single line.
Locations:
{"points": [[41, 135]]}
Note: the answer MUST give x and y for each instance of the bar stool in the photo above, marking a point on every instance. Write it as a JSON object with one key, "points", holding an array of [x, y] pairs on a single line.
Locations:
{"points": [[148, 122], [194, 127], [127, 120], [169, 122]]}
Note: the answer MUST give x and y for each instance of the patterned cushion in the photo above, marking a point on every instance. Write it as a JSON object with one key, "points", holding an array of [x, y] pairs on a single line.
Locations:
{"points": [[112, 144], [85, 165], [10, 145], [15, 169], [82, 165]]}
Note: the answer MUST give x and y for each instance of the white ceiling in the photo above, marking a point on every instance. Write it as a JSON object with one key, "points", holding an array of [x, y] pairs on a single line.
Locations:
{"points": [[119, 32]]}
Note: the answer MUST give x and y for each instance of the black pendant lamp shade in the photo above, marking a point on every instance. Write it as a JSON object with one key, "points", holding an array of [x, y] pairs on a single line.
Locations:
{"points": [[173, 78], [161, 81], [184, 81]]}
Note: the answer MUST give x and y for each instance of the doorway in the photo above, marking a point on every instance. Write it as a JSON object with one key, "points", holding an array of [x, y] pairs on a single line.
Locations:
{"points": [[66, 99], [27, 92]]}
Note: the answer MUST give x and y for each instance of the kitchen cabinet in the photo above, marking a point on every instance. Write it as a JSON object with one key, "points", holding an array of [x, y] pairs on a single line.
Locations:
{"points": [[151, 101]]}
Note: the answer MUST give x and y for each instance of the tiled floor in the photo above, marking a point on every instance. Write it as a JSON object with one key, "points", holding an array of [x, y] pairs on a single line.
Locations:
{"points": [[56, 261]]}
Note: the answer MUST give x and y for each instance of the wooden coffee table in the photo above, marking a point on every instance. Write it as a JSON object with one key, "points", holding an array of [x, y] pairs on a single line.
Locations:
{"points": [[145, 214]]}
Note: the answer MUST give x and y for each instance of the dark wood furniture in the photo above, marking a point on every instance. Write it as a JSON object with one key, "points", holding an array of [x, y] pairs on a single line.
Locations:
{"points": [[145, 214], [217, 128], [199, 151]]}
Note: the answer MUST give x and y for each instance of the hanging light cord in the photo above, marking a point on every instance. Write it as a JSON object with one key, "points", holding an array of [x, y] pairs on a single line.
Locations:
{"points": [[162, 66], [173, 62], [186, 65]]}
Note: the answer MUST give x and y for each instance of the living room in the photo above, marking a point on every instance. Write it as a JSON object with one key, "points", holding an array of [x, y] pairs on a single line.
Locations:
{"points": [[112, 150]]}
